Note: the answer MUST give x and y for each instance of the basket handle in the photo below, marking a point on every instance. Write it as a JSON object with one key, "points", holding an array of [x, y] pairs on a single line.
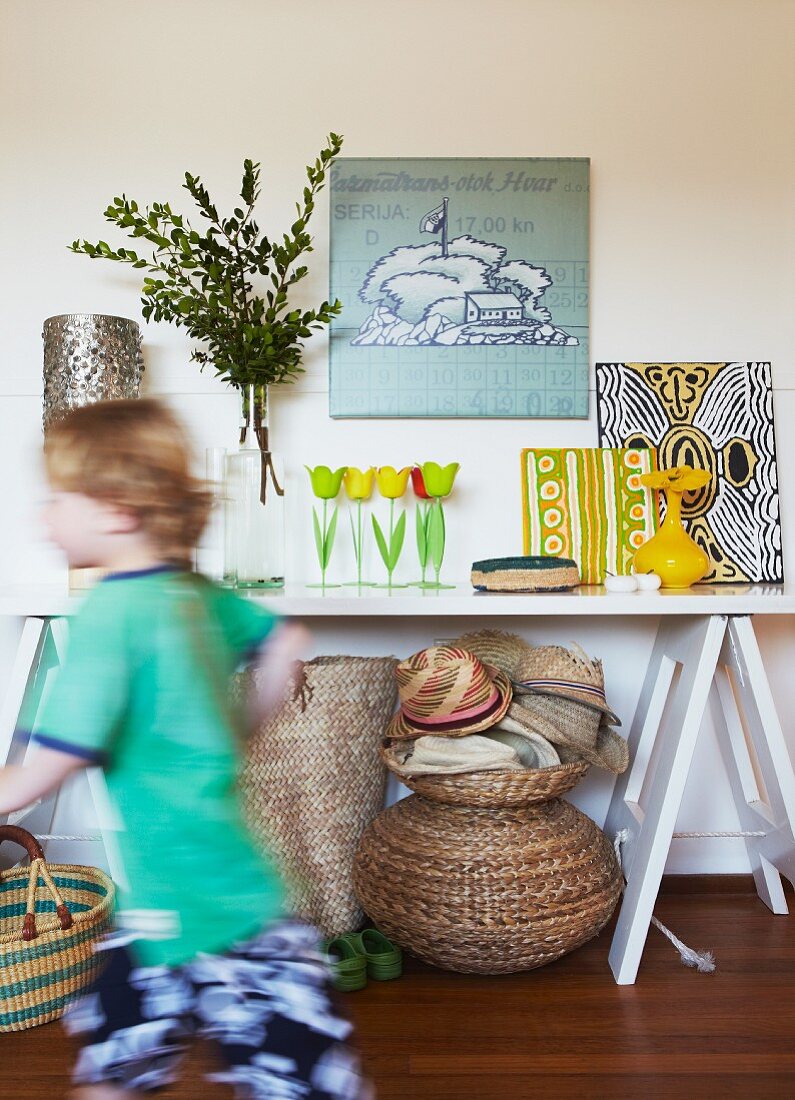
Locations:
{"points": [[38, 866]]}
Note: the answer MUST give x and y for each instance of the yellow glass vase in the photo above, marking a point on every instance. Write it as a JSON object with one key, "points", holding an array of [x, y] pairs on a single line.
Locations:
{"points": [[671, 553]]}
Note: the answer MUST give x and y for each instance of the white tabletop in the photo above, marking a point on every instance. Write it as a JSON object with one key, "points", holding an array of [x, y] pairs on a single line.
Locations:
{"points": [[462, 601]]}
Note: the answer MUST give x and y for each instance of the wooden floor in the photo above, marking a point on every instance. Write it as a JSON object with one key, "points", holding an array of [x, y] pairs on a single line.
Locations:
{"points": [[561, 1032]]}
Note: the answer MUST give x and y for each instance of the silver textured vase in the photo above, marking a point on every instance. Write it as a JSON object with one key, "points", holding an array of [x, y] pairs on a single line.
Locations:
{"points": [[89, 357]]}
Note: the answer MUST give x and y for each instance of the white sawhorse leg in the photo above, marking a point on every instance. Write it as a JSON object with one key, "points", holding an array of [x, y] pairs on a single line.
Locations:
{"points": [[721, 656], [26, 692], [669, 732], [757, 761], [21, 701]]}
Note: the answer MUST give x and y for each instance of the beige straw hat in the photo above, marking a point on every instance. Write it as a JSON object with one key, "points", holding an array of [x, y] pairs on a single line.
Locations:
{"points": [[565, 673], [448, 691], [495, 647], [577, 731]]}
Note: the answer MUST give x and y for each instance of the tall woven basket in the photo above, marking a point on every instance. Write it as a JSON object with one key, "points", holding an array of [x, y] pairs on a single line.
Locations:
{"points": [[50, 918], [490, 872], [314, 780]]}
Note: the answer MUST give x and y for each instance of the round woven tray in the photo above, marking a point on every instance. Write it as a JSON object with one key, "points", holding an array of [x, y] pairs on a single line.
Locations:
{"points": [[486, 891], [525, 574], [496, 789]]}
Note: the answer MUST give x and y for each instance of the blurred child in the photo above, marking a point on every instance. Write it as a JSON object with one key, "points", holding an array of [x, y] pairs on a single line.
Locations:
{"points": [[203, 945]]}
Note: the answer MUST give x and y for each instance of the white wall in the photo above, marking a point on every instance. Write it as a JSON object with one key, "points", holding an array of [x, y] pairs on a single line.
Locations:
{"points": [[683, 106]]}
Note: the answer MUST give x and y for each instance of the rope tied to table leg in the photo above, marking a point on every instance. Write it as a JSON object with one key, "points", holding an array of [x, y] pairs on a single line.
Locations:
{"points": [[703, 961]]}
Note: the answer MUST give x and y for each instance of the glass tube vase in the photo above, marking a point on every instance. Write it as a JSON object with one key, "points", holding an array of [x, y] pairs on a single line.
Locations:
{"points": [[254, 544]]}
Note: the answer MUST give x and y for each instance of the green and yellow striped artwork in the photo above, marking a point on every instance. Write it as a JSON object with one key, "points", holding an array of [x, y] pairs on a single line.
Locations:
{"points": [[587, 503]]}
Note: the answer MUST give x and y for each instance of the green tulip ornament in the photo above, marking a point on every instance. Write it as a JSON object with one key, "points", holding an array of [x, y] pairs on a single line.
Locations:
{"points": [[391, 485], [432, 483], [326, 484]]}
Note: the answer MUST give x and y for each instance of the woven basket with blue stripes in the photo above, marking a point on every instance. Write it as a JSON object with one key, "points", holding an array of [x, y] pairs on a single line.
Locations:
{"points": [[50, 919]]}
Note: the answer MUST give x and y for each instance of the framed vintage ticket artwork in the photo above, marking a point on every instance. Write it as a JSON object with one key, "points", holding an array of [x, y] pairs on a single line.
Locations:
{"points": [[464, 286]]}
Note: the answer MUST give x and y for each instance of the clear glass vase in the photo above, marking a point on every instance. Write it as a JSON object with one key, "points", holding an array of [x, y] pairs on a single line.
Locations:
{"points": [[254, 543]]}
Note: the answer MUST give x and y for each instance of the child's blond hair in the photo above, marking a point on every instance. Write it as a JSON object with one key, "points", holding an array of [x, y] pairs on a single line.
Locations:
{"points": [[136, 455]]}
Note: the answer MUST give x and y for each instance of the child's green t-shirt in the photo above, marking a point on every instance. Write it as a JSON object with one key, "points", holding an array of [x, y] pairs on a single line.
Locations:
{"points": [[144, 691]]}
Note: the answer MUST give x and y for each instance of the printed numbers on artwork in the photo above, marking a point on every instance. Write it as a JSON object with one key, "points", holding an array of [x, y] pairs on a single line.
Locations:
{"points": [[472, 374], [485, 225], [472, 402], [501, 402], [560, 406], [412, 374], [500, 376], [441, 403]]}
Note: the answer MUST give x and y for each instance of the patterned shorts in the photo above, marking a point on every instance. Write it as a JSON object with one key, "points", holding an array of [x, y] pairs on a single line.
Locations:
{"points": [[265, 1004]]}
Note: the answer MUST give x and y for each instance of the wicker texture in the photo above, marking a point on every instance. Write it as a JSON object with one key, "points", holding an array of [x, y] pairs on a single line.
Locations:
{"points": [[44, 967], [314, 780], [495, 647], [526, 574], [484, 890], [494, 789], [520, 580]]}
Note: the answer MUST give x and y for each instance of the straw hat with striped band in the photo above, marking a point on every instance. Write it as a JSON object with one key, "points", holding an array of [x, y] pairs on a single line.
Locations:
{"points": [[568, 673], [578, 732], [447, 691]]}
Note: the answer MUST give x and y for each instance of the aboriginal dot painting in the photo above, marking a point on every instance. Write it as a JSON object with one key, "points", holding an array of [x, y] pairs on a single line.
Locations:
{"points": [[588, 504], [716, 417]]}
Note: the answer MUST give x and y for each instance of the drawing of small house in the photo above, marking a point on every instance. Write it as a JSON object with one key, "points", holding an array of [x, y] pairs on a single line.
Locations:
{"points": [[493, 306]]}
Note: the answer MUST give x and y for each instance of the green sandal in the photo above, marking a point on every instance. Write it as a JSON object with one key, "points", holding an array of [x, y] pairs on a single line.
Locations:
{"points": [[383, 958], [348, 967]]}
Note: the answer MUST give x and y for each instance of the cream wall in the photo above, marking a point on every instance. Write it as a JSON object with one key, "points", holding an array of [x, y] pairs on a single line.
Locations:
{"points": [[684, 106]]}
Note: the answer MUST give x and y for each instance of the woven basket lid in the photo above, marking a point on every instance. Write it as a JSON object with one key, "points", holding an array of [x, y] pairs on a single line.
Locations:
{"points": [[525, 574]]}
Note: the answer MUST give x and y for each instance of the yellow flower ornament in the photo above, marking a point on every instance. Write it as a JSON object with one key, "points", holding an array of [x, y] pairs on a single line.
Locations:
{"points": [[359, 483], [391, 482], [679, 479]]}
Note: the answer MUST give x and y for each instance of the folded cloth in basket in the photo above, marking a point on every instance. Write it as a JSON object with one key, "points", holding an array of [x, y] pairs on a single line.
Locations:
{"points": [[496, 750]]}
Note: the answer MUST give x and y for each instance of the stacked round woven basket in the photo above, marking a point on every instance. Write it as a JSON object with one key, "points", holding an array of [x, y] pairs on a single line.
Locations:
{"points": [[489, 872]]}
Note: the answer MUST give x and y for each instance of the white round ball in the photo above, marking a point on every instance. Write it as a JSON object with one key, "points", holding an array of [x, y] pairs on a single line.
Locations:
{"points": [[621, 584], [647, 582]]}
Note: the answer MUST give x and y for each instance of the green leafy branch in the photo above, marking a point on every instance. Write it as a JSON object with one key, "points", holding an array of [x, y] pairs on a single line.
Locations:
{"points": [[202, 281]]}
